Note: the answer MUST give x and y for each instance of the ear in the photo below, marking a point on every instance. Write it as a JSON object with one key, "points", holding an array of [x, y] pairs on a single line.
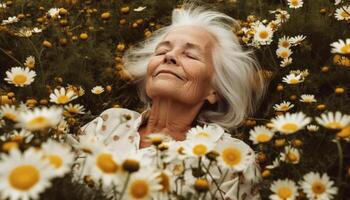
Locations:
{"points": [[212, 97]]}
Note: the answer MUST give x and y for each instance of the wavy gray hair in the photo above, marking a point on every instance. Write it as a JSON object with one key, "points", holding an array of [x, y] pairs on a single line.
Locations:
{"points": [[237, 79]]}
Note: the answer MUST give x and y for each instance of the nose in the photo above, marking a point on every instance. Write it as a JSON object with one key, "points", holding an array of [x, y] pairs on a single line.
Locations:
{"points": [[170, 58]]}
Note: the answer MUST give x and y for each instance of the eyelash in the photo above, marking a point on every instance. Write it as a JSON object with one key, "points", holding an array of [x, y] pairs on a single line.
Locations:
{"points": [[188, 55]]}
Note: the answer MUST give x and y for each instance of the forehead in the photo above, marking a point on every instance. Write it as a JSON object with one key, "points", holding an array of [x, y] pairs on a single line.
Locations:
{"points": [[195, 35]]}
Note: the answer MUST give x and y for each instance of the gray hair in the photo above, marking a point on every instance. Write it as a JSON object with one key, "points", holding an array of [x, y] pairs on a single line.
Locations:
{"points": [[237, 79]]}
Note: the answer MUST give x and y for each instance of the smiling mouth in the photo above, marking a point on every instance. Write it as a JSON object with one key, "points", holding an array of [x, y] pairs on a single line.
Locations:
{"points": [[163, 72]]}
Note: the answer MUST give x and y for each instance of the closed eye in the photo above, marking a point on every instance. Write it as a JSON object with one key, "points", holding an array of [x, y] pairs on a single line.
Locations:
{"points": [[191, 56]]}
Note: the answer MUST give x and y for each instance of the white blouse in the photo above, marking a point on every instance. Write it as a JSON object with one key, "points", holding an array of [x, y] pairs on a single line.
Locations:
{"points": [[116, 128]]}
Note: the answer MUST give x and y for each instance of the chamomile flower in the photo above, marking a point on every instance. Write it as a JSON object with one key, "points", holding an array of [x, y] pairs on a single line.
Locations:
{"points": [[307, 98], [290, 123], [260, 134], [167, 181], [75, 109], [275, 163], [332, 120], [103, 166], [284, 106], [53, 12], [286, 61], [30, 62], [283, 190], [263, 34], [89, 143], [144, 184], [97, 89], [62, 96], [24, 175], [10, 20], [176, 152], [341, 47], [9, 112], [39, 118], [317, 186], [312, 127], [342, 13], [22, 135], [198, 147], [295, 3], [234, 154], [59, 156], [284, 42], [281, 16], [211, 132], [296, 40], [283, 52], [290, 155], [20, 77], [36, 30], [293, 79]]}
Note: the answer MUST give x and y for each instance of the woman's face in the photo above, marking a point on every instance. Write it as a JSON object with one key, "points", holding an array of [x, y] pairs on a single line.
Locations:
{"points": [[181, 67]]}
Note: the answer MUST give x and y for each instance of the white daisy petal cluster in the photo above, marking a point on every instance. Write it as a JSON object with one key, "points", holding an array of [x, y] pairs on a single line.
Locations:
{"points": [[312, 127], [342, 13], [9, 20], [295, 3], [290, 155], [260, 134], [333, 120], [283, 189], [30, 62], [62, 96], [9, 112], [290, 123], [281, 16], [341, 47], [263, 34], [284, 106], [337, 2], [284, 50], [75, 108], [19, 76], [308, 98], [140, 8], [97, 90], [293, 79], [317, 186], [54, 12]]}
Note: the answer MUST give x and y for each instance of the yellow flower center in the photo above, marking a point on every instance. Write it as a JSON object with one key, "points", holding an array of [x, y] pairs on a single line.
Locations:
{"points": [[345, 49], [285, 44], [24, 177], [231, 156], [263, 137], [55, 161], [292, 157], [284, 54], [344, 14], [73, 110], [199, 149], [62, 99], [294, 2], [106, 163], [17, 138], [19, 79], [290, 128], [9, 145], [293, 81], [318, 188], [284, 193], [334, 125], [39, 121], [10, 116], [284, 108], [203, 134], [139, 189], [165, 182], [263, 34]]}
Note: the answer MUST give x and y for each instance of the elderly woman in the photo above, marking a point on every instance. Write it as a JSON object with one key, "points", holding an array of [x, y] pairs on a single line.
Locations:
{"points": [[192, 72]]}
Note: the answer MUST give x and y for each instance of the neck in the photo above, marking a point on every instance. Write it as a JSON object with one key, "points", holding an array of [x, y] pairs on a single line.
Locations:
{"points": [[171, 117]]}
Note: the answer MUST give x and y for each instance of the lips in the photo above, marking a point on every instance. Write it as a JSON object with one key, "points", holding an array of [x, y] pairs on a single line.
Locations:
{"points": [[169, 72]]}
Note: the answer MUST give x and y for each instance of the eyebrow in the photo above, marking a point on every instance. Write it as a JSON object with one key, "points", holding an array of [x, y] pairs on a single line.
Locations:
{"points": [[187, 45]]}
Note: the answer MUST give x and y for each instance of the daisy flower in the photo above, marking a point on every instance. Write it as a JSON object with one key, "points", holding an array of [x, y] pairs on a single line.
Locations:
{"points": [[333, 120], [59, 156], [307, 98], [103, 165], [295, 3], [290, 123], [293, 79], [211, 132], [30, 62], [290, 155], [198, 147], [263, 34], [36, 30], [22, 135], [20, 77], [260, 134], [53, 12], [167, 182], [97, 90], [283, 190], [9, 112], [39, 118], [283, 52], [297, 39], [75, 109], [275, 163], [342, 13], [9, 20], [312, 127], [62, 96], [144, 184], [234, 154], [284, 42], [341, 47], [77, 90], [176, 152], [24, 175], [286, 61], [317, 186], [284, 106], [281, 15]]}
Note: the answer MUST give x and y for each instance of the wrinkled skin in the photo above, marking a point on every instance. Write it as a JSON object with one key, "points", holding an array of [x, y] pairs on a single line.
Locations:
{"points": [[178, 80]]}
